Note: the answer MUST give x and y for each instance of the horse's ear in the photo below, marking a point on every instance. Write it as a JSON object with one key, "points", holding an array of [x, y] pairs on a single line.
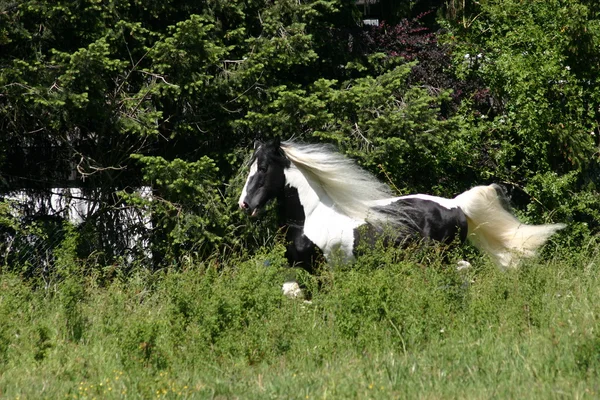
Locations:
{"points": [[257, 144], [277, 142]]}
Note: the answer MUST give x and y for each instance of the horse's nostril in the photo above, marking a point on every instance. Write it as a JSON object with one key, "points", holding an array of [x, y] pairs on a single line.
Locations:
{"points": [[244, 205]]}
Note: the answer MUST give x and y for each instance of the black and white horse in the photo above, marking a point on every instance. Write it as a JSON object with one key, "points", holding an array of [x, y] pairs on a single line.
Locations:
{"points": [[324, 198]]}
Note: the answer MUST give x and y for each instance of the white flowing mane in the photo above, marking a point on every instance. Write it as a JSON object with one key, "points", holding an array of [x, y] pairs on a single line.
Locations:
{"points": [[352, 189]]}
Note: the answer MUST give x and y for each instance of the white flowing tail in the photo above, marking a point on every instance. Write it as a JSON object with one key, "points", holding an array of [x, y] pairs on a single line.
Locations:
{"points": [[493, 229]]}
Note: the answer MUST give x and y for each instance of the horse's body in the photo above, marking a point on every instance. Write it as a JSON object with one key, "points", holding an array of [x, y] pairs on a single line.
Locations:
{"points": [[328, 204]]}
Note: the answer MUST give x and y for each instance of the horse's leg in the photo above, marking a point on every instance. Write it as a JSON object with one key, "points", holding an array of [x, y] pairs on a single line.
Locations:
{"points": [[300, 252]]}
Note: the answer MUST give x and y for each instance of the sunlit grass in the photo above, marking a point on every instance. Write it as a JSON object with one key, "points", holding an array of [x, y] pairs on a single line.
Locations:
{"points": [[392, 326]]}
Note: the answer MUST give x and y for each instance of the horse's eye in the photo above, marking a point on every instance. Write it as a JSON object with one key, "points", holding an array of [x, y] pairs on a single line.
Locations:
{"points": [[262, 168]]}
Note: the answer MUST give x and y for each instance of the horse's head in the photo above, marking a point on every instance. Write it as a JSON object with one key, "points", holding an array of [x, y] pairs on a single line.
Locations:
{"points": [[266, 179]]}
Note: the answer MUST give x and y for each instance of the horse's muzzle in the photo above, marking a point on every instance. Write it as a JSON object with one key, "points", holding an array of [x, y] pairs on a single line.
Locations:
{"points": [[244, 206]]}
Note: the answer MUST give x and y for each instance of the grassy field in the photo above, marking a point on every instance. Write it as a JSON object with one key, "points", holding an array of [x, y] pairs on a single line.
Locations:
{"points": [[390, 327]]}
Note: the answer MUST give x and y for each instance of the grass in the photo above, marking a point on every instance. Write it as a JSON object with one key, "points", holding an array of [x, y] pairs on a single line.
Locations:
{"points": [[392, 326]]}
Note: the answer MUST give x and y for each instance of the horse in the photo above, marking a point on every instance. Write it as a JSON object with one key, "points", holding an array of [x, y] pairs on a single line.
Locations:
{"points": [[327, 204]]}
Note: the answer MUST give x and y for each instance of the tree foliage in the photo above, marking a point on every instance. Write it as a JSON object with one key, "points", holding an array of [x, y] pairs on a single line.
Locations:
{"points": [[539, 61], [112, 95]]}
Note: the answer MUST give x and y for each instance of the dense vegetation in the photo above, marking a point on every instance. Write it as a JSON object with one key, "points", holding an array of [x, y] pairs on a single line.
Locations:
{"points": [[109, 96], [414, 329]]}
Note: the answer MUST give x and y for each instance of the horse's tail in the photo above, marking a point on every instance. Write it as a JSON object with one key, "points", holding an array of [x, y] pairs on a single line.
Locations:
{"points": [[494, 230]]}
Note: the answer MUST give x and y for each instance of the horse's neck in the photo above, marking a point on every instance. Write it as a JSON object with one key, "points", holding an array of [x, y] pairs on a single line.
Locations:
{"points": [[310, 194], [327, 228]]}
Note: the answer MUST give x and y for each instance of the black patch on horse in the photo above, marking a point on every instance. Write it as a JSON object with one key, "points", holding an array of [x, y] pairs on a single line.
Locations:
{"points": [[300, 250], [434, 221]]}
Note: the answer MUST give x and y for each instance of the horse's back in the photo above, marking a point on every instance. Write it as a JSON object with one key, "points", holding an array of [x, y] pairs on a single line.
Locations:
{"points": [[433, 217]]}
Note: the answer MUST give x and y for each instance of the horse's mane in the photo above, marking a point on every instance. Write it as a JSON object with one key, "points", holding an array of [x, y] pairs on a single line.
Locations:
{"points": [[353, 190]]}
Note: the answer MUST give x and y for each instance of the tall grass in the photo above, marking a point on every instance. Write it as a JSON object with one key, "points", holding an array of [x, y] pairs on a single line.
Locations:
{"points": [[392, 326]]}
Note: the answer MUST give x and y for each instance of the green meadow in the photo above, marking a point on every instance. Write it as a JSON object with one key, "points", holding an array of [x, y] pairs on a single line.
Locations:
{"points": [[393, 325]]}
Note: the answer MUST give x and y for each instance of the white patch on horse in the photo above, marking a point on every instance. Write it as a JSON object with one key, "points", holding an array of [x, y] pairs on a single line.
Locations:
{"points": [[384, 202], [326, 227], [292, 290], [446, 203], [253, 170], [463, 265]]}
